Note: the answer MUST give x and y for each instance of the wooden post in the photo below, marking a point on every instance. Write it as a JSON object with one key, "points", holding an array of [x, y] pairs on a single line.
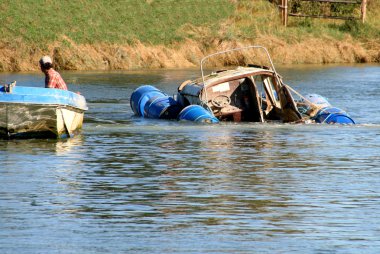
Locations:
{"points": [[284, 11], [364, 10]]}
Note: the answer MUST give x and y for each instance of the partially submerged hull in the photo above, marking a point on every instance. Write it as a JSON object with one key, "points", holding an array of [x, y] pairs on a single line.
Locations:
{"points": [[29, 112], [254, 93]]}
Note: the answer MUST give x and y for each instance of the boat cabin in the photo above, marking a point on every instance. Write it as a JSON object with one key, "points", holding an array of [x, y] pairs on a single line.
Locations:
{"points": [[255, 93], [244, 94]]}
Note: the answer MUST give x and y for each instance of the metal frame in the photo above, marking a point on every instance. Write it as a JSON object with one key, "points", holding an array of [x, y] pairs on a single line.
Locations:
{"points": [[232, 50]]}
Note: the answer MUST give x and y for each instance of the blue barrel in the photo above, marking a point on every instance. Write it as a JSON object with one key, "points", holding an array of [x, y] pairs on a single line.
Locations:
{"points": [[333, 115], [162, 107], [141, 96], [197, 113]]}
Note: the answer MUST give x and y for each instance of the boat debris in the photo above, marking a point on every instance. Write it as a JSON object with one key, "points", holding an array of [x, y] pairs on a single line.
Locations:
{"points": [[253, 93]]}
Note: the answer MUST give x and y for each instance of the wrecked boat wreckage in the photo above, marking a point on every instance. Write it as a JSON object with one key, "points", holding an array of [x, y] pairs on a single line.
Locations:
{"points": [[255, 93]]}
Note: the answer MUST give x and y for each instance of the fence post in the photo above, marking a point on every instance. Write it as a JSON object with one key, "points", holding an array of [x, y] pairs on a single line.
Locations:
{"points": [[364, 9], [284, 12]]}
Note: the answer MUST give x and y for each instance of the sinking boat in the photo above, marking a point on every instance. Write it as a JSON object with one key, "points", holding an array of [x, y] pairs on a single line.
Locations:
{"points": [[253, 93], [31, 112]]}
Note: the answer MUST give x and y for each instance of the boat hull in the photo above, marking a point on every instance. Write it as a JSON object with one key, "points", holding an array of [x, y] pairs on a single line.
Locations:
{"points": [[30, 112], [39, 121]]}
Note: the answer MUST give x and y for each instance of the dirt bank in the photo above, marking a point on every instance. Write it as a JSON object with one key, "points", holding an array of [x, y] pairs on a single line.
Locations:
{"points": [[71, 56]]}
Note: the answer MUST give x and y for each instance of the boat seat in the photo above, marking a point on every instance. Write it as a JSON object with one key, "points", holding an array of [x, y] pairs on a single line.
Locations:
{"points": [[233, 111]]}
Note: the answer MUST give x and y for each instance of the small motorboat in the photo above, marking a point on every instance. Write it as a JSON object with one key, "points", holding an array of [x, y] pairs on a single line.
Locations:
{"points": [[31, 112], [253, 93]]}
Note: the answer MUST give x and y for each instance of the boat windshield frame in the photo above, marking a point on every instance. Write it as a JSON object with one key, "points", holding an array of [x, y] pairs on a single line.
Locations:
{"points": [[203, 60], [236, 49]]}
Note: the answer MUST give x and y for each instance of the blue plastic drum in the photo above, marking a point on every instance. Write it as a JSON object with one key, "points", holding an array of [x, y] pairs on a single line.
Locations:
{"points": [[141, 96], [162, 107], [333, 115], [197, 113]]}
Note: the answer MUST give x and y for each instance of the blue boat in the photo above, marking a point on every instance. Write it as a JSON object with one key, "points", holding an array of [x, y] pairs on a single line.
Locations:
{"points": [[31, 112]]}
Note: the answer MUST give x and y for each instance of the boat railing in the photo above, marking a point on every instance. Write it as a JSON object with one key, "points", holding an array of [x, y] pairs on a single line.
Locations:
{"points": [[237, 49]]}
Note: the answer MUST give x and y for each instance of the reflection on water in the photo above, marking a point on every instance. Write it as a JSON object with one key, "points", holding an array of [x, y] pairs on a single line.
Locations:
{"points": [[36, 146], [128, 184]]}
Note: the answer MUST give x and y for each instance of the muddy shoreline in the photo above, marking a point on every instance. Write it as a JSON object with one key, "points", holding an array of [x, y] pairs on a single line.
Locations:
{"points": [[67, 55]]}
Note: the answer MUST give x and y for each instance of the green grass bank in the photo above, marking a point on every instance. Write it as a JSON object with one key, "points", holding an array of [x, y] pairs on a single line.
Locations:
{"points": [[132, 34]]}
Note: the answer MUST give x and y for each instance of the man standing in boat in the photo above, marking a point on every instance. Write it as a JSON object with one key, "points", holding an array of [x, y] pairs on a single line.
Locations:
{"points": [[52, 78]]}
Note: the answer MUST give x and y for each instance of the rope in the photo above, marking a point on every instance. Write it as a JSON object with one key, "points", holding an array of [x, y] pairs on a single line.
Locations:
{"points": [[315, 108]]}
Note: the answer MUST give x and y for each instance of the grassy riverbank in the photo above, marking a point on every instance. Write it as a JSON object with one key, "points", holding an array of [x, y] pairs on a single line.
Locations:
{"points": [[170, 33]]}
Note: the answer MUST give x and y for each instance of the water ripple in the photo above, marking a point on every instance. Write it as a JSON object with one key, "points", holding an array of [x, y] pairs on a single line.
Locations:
{"points": [[136, 185]]}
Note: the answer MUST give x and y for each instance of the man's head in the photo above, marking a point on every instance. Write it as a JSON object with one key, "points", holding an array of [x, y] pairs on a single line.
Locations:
{"points": [[46, 63]]}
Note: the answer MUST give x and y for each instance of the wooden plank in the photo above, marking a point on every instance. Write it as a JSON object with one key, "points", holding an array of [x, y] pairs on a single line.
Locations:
{"points": [[320, 16], [336, 1]]}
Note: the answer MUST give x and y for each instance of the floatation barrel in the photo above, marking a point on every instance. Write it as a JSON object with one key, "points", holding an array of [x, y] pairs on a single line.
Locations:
{"points": [[333, 115], [162, 107], [197, 113], [141, 96]]}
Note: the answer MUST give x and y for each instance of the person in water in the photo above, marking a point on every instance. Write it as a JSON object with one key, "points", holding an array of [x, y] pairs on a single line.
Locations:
{"points": [[52, 78]]}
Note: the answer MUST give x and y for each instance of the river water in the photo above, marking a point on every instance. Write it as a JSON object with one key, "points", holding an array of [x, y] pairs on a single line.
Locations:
{"points": [[133, 185]]}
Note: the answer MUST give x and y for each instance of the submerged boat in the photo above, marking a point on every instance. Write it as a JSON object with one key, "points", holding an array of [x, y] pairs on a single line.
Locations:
{"points": [[30, 112], [253, 93]]}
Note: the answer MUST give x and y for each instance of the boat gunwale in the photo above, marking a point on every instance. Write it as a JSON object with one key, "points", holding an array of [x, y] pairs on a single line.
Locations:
{"points": [[63, 97]]}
